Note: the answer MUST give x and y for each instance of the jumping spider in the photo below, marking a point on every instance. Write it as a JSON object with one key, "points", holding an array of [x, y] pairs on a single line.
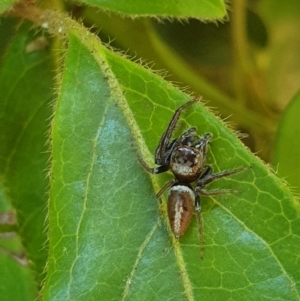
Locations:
{"points": [[186, 158]]}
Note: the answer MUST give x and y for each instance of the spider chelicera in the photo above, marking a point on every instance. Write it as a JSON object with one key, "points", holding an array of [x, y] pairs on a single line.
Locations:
{"points": [[186, 158]]}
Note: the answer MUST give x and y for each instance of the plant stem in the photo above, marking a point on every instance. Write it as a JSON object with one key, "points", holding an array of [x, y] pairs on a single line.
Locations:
{"points": [[240, 49], [245, 117]]}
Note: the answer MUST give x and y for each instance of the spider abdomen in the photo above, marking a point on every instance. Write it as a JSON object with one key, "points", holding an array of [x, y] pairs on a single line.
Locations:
{"points": [[180, 208]]}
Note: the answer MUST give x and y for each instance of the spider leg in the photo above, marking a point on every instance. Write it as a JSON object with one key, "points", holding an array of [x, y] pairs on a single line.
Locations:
{"points": [[154, 170], [166, 186], [199, 191], [202, 143], [163, 146], [208, 177], [200, 225], [186, 136], [215, 191]]}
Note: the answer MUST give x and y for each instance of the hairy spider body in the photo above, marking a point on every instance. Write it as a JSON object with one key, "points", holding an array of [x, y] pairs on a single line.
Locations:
{"points": [[185, 157], [188, 158]]}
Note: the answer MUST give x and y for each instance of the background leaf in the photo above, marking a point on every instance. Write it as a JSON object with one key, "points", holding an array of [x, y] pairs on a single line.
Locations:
{"points": [[283, 73], [179, 9], [23, 150], [287, 145], [6, 4], [19, 284]]}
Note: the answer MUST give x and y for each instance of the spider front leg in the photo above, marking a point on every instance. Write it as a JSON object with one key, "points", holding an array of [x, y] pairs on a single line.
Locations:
{"points": [[203, 142], [153, 170], [163, 150], [166, 186]]}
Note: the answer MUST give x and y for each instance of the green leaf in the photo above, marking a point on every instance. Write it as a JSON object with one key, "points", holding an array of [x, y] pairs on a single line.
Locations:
{"points": [[5, 4], [26, 89], [6, 33], [287, 150], [212, 9], [15, 275], [108, 234], [283, 74]]}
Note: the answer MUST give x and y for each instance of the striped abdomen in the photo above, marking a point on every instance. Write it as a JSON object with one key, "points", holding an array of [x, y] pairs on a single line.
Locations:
{"points": [[181, 202]]}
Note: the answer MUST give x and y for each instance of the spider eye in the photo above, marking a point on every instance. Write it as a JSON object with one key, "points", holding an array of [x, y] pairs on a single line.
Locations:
{"points": [[185, 156]]}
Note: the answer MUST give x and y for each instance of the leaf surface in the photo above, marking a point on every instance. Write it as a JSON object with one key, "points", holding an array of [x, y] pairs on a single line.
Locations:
{"points": [[108, 234]]}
